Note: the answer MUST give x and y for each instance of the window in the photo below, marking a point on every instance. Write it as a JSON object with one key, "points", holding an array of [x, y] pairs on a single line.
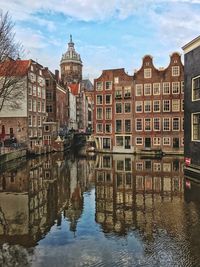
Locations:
{"points": [[34, 105], [43, 93], [116, 80], [108, 85], [43, 106], [147, 73], [139, 90], [39, 121], [175, 105], [118, 126], [156, 89], [166, 142], [119, 141], [138, 124], [175, 124], [34, 90], [156, 167], [99, 127], [156, 105], [30, 104], [39, 91], [156, 141], [127, 107], [147, 89], [30, 120], [108, 99], [39, 106], [118, 108], [139, 140], [139, 106], [139, 167], [108, 128], [127, 92], [30, 89], [99, 86], [166, 105], [106, 143], [147, 106], [196, 88], [34, 120], [166, 88], [175, 87], [49, 108], [147, 123], [182, 104], [108, 113], [99, 99], [49, 95], [175, 71], [118, 93], [47, 81], [182, 87], [47, 128], [127, 126], [166, 124], [156, 124], [99, 113], [196, 127]]}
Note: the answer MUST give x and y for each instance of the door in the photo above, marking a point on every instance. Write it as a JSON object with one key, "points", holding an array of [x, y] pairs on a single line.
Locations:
{"points": [[147, 142]]}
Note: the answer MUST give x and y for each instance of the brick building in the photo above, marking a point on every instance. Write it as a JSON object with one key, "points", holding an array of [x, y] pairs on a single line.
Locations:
{"points": [[158, 106], [25, 122], [142, 113], [113, 119], [192, 107]]}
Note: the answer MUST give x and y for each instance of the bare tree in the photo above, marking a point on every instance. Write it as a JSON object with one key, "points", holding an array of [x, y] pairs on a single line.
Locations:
{"points": [[11, 74]]}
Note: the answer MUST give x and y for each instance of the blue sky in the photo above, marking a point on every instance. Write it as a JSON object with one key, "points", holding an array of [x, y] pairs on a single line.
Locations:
{"points": [[107, 33]]}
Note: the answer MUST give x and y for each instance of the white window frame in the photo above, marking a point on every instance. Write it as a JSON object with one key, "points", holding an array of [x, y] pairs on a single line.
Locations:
{"points": [[147, 86], [166, 86], [156, 86], [139, 88], [175, 70], [147, 73]]}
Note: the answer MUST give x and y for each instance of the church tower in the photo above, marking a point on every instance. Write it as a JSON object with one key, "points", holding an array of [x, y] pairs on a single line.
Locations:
{"points": [[71, 65]]}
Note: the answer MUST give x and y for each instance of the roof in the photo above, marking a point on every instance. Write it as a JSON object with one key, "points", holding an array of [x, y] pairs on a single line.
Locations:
{"points": [[74, 88], [14, 67], [191, 45], [87, 85]]}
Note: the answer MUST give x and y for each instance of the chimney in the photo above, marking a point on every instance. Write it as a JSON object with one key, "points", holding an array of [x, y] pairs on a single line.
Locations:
{"points": [[57, 75]]}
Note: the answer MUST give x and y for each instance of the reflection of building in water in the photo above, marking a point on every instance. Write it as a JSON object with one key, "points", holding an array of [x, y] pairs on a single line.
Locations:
{"points": [[128, 190]]}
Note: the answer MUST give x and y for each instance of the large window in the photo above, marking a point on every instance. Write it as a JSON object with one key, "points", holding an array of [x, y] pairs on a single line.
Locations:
{"points": [[108, 128], [127, 107], [108, 85], [99, 113], [147, 89], [166, 124], [166, 88], [175, 124], [99, 86], [108, 113], [118, 126], [118, 93], [139, 140], [99, 127], [156, 105], [127, 126], [175, 87], [127, 92], [49, 108], [156, 124], [147, 106], [147, 73], [119, 141], [99, 99], [147, 124], [108, 99], [175, 105], [138, 106], [175, 71], [156, 89], [138, 124], [118, 108], [138, 89], [196, 127], [166, 105], [196, 88], [106, 143]]}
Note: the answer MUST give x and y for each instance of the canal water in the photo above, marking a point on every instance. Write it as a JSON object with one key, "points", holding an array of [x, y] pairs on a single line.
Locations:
{"points": [[110, 210]]}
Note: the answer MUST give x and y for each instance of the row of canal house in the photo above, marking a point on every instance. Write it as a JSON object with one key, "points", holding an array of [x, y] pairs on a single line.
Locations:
{"points": [[142, 113], [49, 105]]}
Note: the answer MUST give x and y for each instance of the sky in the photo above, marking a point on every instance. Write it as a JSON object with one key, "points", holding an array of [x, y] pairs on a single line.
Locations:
{"points": [[107, 33]]}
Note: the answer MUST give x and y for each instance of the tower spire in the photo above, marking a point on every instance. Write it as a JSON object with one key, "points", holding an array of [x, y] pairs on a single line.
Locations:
{"points": [[70, 38]]}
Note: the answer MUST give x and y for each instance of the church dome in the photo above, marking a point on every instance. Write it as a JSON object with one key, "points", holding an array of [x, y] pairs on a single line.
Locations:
{"points": [[71, 55]]}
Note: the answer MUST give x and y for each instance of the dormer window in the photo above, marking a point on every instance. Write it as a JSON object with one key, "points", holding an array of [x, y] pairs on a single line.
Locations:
{"points": [[147, 73]]}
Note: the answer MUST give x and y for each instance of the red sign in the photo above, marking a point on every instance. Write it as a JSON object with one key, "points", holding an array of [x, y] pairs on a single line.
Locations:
{"points": [[188, 184], [187, 161]]}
